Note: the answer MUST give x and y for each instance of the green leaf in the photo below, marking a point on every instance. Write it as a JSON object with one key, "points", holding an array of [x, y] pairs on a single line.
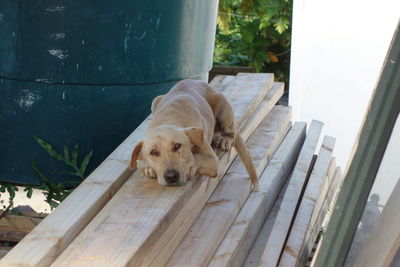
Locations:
{"points": [[281, 25], [74, 159], [266, 19], [85, 163], [29, 192], [77, 174], [39, 175], [66, 154], [49, 149], [10, 191], [53, 204]]}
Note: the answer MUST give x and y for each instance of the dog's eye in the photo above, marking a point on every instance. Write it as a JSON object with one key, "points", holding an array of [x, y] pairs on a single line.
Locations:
{"points": [[154, 152], [176, 147]]}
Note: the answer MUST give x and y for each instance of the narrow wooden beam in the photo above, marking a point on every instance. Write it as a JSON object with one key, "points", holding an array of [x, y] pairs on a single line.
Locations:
{"points": [[328, 206], [296, 239], [41, 246], [320, 210], [243, 232], [23, 224], [280, 228], [220, 82], [258, 247], [132, 222]]}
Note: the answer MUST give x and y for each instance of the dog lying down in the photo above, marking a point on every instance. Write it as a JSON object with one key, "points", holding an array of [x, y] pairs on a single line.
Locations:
{"points": [[186, 122]]}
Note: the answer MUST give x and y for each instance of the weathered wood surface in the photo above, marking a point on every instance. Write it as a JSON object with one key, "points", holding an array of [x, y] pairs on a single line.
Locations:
{"points": [[258, 247], [23, 224], [280, 229], [41, 246], [298, 232], [320, 210], [246, 92], [220, 82], [244, 230], [129, 234], [201, 242], [325, 213]]}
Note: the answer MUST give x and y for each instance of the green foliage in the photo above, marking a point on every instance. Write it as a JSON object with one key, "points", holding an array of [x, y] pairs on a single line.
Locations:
{"points": [[69, 158], [55, 193], [10, 189], [255, 33]]}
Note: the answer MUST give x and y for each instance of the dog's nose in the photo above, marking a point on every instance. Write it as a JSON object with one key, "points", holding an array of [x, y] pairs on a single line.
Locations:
{"points": [[171, 176]]}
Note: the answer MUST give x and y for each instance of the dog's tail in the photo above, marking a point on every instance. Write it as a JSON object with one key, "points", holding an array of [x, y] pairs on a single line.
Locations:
{"points": [[245, 157]]}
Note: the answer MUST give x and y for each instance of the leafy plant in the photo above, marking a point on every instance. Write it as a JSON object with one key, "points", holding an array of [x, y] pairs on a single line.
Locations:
{"points": [[68, 158], [255, 33], [10, 189], [56, 192]]}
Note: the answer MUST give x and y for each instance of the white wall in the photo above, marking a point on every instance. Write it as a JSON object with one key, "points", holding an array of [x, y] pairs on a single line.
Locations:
{"points": [[338, 49]]}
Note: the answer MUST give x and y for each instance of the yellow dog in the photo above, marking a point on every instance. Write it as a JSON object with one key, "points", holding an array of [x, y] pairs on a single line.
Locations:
{"points": [[185, 122]]}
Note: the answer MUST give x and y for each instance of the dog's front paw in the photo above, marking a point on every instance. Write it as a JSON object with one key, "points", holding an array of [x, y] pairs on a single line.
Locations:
{"points": [[192, 172], [146, 170], [150, 173]]}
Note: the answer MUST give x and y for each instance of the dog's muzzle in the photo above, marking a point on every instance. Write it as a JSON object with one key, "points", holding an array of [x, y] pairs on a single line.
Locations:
{"points": [[171, 177]]}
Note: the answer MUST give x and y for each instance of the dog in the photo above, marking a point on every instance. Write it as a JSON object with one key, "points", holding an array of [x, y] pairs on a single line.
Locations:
{"points": [[186, 122]]}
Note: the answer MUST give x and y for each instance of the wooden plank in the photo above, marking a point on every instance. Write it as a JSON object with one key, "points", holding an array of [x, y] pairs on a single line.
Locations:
{"points": [[41, 246], [384, 240], [126, 236], [13, 236], [189, 204], [170, 240], [332, 194], [220, 82], [243, 232], [280, 229], [23, 224], [296, 239], [229, 70], [201, 242], [242, 90], [319, 213], [258, 247]]}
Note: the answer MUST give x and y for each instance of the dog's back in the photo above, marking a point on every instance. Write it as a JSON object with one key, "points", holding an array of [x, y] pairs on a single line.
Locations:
{"points": [[185, 105]]}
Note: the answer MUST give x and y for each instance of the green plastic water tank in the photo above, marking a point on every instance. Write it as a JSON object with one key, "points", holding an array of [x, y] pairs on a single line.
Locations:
{"points": [[85, 72]]}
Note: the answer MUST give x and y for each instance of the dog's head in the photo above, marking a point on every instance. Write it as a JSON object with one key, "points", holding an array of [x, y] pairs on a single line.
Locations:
{"points": [[169, 152]]}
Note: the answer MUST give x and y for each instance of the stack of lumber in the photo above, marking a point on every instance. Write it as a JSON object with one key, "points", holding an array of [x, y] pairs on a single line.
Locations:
{"points": [[117, 218], [14, 227]]}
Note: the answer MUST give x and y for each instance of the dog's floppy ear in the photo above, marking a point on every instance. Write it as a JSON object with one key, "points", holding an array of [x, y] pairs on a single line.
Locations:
{"points": [[135, 154], [195, 135]]}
